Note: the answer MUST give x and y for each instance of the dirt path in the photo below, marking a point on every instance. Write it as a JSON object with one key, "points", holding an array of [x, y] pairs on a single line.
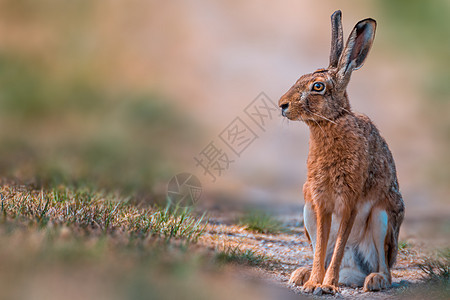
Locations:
{"points": [[287, 251]]}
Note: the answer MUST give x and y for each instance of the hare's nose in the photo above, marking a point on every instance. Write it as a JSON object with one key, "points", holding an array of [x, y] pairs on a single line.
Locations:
{"points": [[284, 108]]}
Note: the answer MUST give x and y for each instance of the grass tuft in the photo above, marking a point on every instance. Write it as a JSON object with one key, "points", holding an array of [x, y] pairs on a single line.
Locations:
{"points": [[238, 256], [436, 275], [403, 245], [437, 269], [261, 222]]}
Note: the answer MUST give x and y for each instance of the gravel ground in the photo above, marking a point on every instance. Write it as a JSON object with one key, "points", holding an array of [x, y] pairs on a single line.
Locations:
{"points": [[287, 251]]}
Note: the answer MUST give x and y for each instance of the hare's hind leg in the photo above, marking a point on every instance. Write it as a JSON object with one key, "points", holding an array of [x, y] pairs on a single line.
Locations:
{"points": [[302, 274], [379, 226]]}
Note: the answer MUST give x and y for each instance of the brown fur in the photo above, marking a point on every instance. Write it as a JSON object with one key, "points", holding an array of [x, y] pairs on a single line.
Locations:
{"points": [[349, 163]]}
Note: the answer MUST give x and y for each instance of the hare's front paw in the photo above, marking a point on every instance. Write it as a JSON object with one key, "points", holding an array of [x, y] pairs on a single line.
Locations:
{"points": [[329, 289], [300, 276], [330, 284], [376, 282], [310, 287]]}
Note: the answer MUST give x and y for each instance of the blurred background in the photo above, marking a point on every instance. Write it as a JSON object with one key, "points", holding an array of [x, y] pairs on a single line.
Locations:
{"points": [[120, 96], [123, 95]]}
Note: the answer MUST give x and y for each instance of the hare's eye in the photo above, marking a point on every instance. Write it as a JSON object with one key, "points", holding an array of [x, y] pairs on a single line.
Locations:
{"points": [[318, 87]]}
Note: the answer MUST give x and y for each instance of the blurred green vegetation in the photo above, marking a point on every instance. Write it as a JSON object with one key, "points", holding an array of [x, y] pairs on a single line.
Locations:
{"points": [[65, 115], [420, 30], [75, 132]]}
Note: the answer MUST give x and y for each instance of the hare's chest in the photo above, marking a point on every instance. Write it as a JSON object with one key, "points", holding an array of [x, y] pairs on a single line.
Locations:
{"points": [[333, 186], [330, 176], [337, 176]]}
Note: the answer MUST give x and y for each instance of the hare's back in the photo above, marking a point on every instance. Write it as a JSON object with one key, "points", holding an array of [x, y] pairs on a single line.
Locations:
{"points": [[381, 172], [382, 180]]}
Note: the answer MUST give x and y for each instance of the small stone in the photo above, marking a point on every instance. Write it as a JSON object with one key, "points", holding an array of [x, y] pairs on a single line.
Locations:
{"points": [[318, 291]]}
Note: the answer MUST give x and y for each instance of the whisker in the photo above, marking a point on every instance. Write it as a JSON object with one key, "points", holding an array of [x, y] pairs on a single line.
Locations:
{"points": [[284, 121], [345, 110], [314, 122], [301, 118], [319, 126], [323, 117]]}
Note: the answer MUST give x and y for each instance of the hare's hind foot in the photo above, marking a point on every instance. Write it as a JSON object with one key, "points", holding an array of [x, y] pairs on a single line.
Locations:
{"points": [[376, 282], [300, 276]]}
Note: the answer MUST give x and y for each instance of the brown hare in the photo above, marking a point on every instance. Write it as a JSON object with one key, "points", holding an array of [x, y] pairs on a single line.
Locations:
{"points": [[353, 206]]}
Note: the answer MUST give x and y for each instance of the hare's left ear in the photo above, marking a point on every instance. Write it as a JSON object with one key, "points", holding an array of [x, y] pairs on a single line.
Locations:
{"points": [[337, 39], [355, 52]]}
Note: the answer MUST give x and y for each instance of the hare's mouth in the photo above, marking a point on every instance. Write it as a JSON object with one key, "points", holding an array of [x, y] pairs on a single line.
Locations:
{"points": [[290, 116], [286, 113]]}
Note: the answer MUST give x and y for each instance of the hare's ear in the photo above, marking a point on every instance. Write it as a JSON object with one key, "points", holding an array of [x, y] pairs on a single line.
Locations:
{"points": [[337, 39], [355, 52]]}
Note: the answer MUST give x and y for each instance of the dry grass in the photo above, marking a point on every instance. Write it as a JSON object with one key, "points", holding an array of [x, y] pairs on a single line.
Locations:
{"points": [[98, 213]]}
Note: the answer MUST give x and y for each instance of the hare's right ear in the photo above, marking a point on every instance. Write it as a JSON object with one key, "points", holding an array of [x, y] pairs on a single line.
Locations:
{"points": [[355, 52], [337, 38]]}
